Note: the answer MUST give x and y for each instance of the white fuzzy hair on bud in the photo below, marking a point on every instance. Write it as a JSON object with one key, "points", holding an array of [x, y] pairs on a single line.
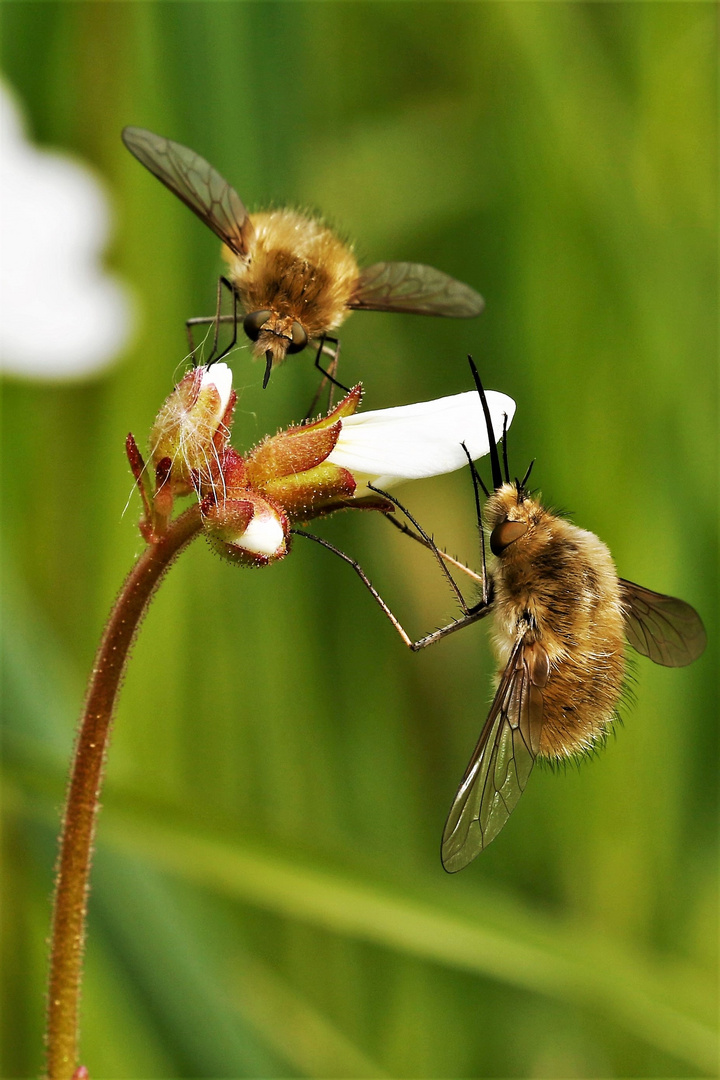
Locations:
{"points": [[189, 428]]}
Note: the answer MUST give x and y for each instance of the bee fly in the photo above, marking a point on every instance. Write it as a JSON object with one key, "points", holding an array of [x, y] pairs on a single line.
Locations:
{"points": [[561, 616], [294, 279]]}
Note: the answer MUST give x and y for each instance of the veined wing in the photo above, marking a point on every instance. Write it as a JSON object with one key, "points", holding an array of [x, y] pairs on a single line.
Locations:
{"points": [[413, 287], [502, 760], [665, 629], [196, 183]]}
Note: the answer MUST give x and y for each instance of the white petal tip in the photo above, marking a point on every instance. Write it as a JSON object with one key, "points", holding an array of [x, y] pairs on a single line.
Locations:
{"points": [[219, 376], [263, 536]]}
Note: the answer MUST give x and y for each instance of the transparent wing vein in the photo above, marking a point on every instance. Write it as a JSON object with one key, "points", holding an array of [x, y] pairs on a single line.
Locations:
{"points": [[502, 760], [668, 631], [196, 183], [415, 288]]}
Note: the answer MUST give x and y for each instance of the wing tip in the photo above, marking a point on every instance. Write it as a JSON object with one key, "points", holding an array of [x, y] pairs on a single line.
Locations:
{"points": [[131, 133], [476, 302], [456, 856], [453, 862]]}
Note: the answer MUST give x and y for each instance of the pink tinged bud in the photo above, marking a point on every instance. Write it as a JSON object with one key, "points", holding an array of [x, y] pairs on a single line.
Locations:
{"points": [[193, 427], [231, 479], [251, 530]]}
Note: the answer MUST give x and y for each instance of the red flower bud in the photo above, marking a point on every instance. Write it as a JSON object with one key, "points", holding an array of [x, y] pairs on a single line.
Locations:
{"points": [[251, 530], [193, 427]]}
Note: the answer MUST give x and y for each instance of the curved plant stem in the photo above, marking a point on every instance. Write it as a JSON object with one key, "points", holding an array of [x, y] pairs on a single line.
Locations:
{"points": [[68, 934]]}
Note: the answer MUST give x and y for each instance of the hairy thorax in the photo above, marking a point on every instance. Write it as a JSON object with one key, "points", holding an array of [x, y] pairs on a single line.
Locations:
{"points": [[557, 585], [297, 268]]}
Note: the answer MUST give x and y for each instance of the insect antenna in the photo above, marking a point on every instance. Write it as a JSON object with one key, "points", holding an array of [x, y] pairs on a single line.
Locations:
{"points": [[505, 455], [526, 477], [494, 458]]}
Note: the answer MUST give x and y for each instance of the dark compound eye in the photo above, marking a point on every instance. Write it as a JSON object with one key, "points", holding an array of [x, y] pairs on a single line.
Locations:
{"points": [[254, 322], [299, 338], [506, 533]]}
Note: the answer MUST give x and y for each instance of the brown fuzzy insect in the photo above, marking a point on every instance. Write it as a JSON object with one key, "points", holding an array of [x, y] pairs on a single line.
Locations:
{"points": [[294, 278], [561, 618]]}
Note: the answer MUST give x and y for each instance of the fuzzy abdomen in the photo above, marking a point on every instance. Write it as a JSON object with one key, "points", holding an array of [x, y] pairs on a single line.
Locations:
{"points": [[563, 590]]}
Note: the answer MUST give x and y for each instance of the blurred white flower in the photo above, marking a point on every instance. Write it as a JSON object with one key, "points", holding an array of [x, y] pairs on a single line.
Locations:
{"points": [[61, 314], [389, 446]]}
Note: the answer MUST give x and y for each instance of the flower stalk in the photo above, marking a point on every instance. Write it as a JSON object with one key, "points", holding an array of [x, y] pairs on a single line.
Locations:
{"points": [[246, 507], [83, 798]]}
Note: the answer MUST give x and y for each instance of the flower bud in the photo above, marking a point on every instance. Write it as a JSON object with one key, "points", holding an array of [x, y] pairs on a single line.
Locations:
{"points": [[193, 428], [250, 530], [293, 469]]}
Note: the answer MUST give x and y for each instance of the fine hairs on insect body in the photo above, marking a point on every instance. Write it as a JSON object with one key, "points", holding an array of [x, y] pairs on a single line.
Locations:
{"points": [[293, 277], [561, 620], [561, 616], [560, 592]]}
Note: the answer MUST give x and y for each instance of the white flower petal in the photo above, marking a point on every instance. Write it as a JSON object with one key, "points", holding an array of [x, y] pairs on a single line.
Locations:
{"points": [[219, 376], [61, 314], [390, 446], [263, 536]]}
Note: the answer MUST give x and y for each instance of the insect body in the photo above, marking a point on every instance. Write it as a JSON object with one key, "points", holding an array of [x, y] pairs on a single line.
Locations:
{"points": [[555, 588], [295, 279], [561, 616]]}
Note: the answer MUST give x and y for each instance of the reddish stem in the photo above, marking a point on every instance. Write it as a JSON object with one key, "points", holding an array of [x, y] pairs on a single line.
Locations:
{"points": [[78, 828]]}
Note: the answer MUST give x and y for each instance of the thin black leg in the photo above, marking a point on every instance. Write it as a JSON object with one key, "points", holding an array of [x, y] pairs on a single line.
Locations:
{"points": [[327, 376], [407, 531], [429, 543], [216, 319], [333, 365], [473, 615]]}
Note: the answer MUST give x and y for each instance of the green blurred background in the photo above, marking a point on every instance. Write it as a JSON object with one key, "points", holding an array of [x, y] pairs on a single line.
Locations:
{"points": [[268, 898]]}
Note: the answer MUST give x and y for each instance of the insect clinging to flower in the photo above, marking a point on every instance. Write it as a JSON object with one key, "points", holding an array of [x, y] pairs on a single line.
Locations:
{"points": [[293, 277], [561, 618]]}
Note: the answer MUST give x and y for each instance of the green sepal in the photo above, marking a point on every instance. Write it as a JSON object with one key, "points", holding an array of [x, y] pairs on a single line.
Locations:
{"points": [[303, 495]]}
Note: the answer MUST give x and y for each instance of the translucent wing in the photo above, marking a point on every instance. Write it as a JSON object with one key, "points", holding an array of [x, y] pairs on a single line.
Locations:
{"points": [[667, 630], [194, 181], [502, 760], [413, 287]]}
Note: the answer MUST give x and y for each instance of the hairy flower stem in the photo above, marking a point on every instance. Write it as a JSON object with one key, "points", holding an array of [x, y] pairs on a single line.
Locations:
{"points": [[76, 838]]}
